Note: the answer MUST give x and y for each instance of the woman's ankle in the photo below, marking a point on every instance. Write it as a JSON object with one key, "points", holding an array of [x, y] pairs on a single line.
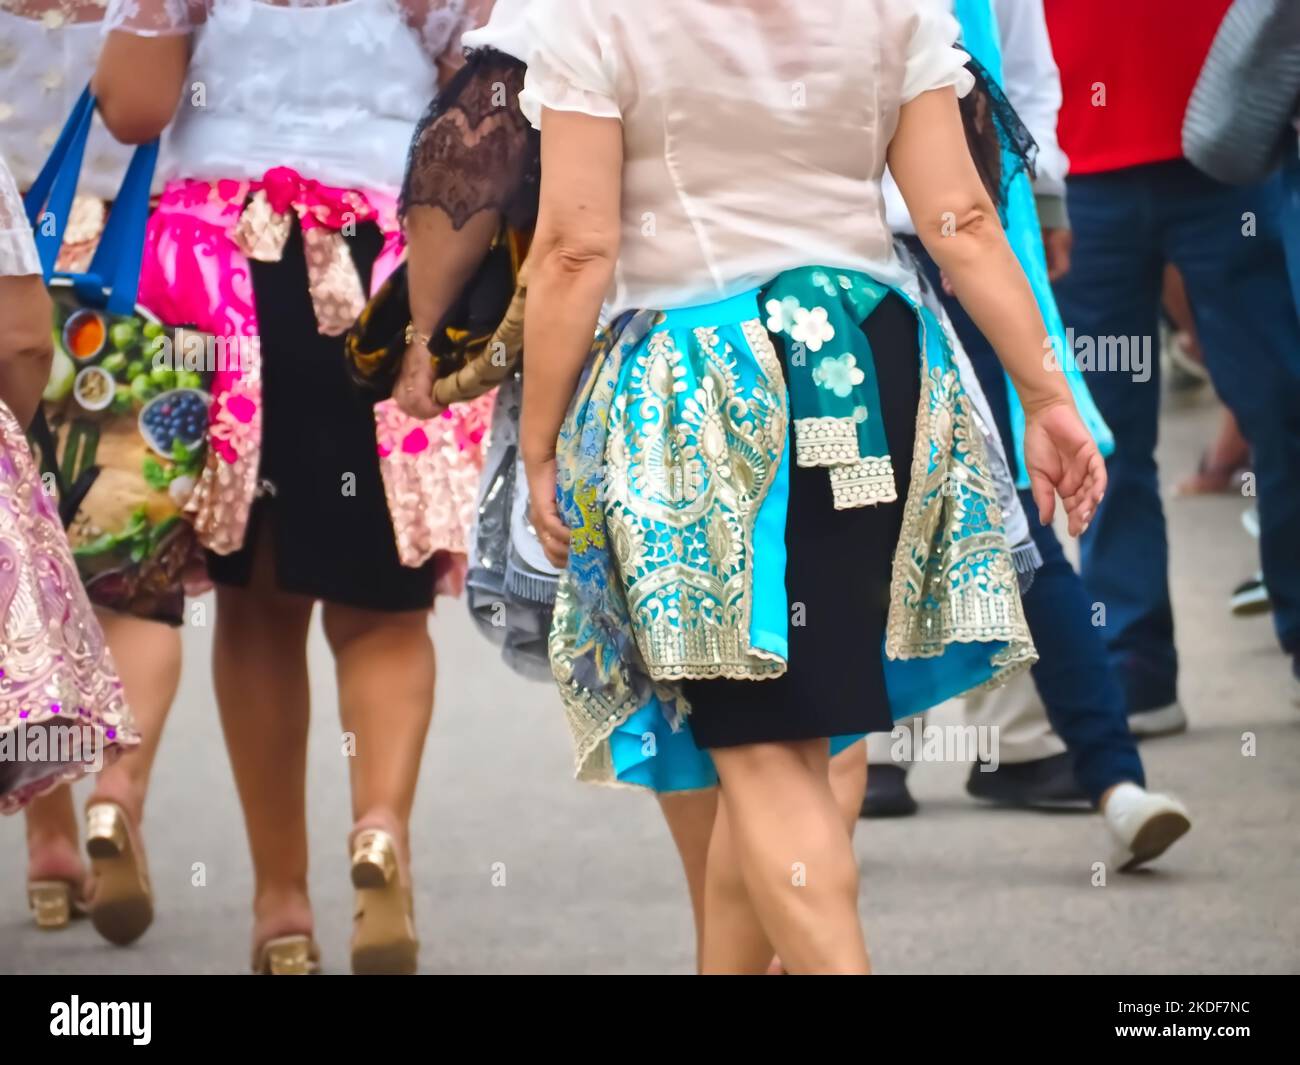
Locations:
{"points": [[121, 790], [282, 910], [54, 856], [386, 821]]}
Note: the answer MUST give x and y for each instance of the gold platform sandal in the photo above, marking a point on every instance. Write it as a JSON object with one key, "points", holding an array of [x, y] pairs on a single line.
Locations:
{"points": [[287, 956], [54, 903], [383, 935], [121, 906]]}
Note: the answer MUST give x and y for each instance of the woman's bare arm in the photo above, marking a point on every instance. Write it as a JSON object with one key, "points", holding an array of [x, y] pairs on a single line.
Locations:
{"points": [[959, 226], [26, 345], [138, 83], [572, 265]]}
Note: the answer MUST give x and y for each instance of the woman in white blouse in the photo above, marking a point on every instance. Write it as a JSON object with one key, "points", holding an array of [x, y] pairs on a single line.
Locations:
{"points": [[717, 163], [288, 123]]}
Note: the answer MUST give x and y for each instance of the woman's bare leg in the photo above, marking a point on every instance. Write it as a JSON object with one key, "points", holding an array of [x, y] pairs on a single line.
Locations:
{"points": [[794, 853], [849, 782], [691, 816], [735, 943], [260, 671], [52, 848], [386, 671], [148, 658]]}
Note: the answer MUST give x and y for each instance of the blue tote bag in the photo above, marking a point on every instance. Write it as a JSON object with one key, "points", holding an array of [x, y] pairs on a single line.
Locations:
{"points": [[124, 427]]}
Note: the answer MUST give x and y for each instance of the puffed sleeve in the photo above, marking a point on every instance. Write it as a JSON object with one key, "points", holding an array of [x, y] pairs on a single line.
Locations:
{"points": [[569, 70], [155, 18], [441, 24], [17, 248], [932, 61]]}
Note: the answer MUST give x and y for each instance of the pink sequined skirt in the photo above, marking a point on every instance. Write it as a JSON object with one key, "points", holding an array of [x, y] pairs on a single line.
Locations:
{"points": [[62, 709]]}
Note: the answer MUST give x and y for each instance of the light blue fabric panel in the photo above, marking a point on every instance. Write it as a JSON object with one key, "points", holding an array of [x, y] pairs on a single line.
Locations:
{"points": [[981, 39]]}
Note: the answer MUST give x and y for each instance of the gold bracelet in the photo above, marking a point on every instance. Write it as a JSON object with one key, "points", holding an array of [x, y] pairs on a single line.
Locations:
{"points": [[413, 334]]}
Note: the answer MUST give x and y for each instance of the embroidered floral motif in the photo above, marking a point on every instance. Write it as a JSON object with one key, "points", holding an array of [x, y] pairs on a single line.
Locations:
{"points": [[696, 432], [664, 596], [781, 314], [839, 375], [822, 280], [812, 328]]}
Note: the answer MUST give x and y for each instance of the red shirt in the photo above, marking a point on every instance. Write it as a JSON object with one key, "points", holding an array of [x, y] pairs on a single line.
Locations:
{"points": [[1143, 58]]}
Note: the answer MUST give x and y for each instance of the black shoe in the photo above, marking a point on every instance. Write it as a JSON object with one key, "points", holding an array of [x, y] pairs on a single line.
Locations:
{"points": [[887, 794], [1043, 784]]}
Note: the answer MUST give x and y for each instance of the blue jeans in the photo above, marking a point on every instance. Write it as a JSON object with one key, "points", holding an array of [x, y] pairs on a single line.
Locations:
{"points": [[1079, 689], [1291, 215], [1127, 225]]}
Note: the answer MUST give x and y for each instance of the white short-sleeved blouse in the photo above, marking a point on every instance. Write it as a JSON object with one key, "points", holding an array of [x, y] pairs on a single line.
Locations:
{"points": [[48, 50], [17, 246], [754, 131], [506, 30], [331, 88]]}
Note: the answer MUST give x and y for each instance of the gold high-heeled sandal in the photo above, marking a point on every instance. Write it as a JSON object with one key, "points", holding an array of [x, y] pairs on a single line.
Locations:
{"points": [[54, 903], [287, 956], [383, 936], [121, 907]]}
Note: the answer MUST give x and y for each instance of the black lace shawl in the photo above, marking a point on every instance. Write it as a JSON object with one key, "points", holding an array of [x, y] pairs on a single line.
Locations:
{"points": [[473, 150], [999, 142]]}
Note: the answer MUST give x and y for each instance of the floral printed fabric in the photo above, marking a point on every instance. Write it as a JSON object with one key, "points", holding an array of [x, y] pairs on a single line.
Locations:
{"points": [[832, 380]]}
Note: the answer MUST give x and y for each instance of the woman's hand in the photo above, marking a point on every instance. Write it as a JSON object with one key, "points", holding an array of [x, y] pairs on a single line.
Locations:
{"points": [[544, 511], [414, 388], [1063, 459]]}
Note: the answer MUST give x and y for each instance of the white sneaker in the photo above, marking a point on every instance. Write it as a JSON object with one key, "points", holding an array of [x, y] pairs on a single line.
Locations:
{"points": [[1163, 721], [1144, 824]]}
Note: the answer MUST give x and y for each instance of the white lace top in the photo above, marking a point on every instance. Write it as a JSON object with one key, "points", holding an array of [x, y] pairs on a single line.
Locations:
{"points": [[331, 88], [17, 249], [754, 132], [48, 50]]}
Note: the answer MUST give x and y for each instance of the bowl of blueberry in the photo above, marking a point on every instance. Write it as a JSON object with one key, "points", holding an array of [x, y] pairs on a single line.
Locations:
{"points": [[179, 415]]}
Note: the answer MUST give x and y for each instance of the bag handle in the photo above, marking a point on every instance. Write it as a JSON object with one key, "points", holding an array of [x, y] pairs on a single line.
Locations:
{"points": [[113, 279], [52, 192]]}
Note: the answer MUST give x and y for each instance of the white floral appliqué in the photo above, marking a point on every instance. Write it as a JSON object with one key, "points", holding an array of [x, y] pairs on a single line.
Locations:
{"points": [[812, 328], [781, 314], [839, 375]]}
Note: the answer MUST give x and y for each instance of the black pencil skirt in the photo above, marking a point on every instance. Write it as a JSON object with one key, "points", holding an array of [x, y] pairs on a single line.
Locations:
{"points": [[839, 567]]}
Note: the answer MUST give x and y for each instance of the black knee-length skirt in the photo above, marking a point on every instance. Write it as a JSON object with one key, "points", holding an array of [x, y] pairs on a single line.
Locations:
{"points": [[839, 568], [322, 503]]}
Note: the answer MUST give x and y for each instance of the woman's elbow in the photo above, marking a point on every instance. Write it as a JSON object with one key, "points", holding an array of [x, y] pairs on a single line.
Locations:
{"points": [[132, 118], [32, 349], [584, 256], [961, 234]]}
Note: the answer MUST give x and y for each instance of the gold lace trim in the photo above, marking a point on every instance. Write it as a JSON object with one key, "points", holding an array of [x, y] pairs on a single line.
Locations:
{"points": [[933, 602]]}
